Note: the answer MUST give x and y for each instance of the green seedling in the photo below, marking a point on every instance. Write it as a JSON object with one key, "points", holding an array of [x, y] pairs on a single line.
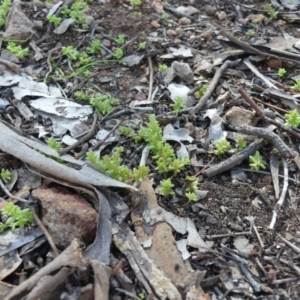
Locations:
{"points": [[103, 103], [82, 96], [142, 295], [281, 72], [296, 86], [4, 10], [95, 47], [292, 118], [18, 51], [164, 154], [53, 144], [255, 21], [139, 174], [54, 20], [222, 147], [126, 131], [166, 187], [16, 217], [118, 54], [76, 12], [241, 143], [192, 197], [287, 19], [201, 91], [135, 2], [113, 167], [65, 11], [142, 46], [87, 73], [192, 183], [120, 40], [271, 12], [165, 16], [5, 175], [78, 5], [83, 59], [250, 32], [256, 161], [178, 105], [162, 68], [70, 52], [78, 16]]}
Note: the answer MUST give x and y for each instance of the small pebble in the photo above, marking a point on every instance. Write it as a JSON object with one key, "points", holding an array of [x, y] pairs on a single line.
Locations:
{"points": [[210, 11], [207, 34], [155, 24], [179, 31], [157, 6], [185, 21], [171, 33], [89, 20], [106, 43], [222, 15]]}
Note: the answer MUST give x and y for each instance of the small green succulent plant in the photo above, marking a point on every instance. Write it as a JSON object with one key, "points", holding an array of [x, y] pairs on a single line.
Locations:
{"points": [[257, 162], [15, 217]]}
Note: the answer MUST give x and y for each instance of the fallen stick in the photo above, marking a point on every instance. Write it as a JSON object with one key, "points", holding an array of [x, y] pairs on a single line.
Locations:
{"points": [[213, 84]]}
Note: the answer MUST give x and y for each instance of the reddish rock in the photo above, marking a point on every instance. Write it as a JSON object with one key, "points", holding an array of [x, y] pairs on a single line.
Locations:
{"points": [[273, 62], [66, 215]]}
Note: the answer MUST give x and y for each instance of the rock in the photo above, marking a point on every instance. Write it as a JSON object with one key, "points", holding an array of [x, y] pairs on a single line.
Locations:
{"points": [[180, 69], [185, 21], [155, 24], [87, 11], [66, 215], [237, 116], [204, 67], [210, 11], [207, 34], [38, 4], [171, 33], [222, 15], [106, 43], [243, 22], [157, 6], [18, 27], [38, 25], [7, 55], [179, 31], [89, 20], [274, 63]]}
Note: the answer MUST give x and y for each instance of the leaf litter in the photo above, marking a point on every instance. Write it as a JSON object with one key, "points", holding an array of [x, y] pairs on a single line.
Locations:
{"points": [[237, 237]]}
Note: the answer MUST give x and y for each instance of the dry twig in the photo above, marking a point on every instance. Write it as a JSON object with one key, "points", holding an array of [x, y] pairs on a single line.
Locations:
{"points": [[213, 84], [283, 194], [261, 114]]}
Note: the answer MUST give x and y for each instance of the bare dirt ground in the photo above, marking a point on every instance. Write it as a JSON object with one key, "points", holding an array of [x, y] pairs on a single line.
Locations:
{"points": [[242, 260]]}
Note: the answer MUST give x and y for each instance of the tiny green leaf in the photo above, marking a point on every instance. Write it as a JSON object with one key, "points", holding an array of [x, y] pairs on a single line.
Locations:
{"points": [[256, 161], [166, 187], [292, 118]]}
